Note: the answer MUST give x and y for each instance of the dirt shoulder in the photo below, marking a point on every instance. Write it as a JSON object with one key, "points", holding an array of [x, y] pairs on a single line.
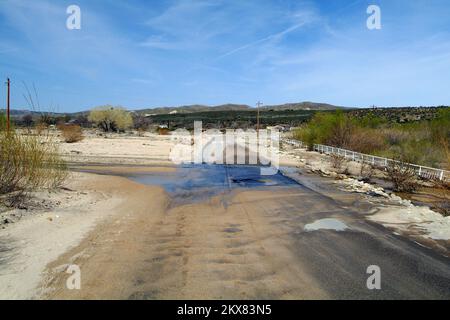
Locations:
{"points": [[44, 234]]}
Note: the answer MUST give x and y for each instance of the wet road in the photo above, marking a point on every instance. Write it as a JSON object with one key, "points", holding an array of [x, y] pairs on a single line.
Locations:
{"points": [[229, 233], [195, 183]]}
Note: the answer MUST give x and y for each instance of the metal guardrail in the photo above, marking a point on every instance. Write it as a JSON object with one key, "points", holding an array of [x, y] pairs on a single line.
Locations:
{"points": [[296, 143], [380, 162]]}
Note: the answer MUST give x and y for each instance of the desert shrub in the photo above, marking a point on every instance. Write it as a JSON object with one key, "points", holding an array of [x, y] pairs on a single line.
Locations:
{"points": [[110, 118], [306, 134], [440, 133], [325, 128], [82, 120], [394, 137], [416, 144], [443, 205], [341, 128], [141, 122], [366, 171], [372, 121], [71, 133], [402, 176], [330, 128], [28, 163], [163, 131], [337, 161], [141, 132], [41, 128], [367, 141], [423, 142], [27, 120]]}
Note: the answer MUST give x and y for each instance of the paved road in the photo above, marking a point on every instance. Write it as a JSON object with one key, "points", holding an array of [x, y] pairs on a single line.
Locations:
{"points": [[228, 233]]}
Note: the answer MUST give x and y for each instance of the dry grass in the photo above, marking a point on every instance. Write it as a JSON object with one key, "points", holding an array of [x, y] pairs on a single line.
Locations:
{"points": [[28, 163], [365, 141], [41, 128], [71, 133], [163, 131]]}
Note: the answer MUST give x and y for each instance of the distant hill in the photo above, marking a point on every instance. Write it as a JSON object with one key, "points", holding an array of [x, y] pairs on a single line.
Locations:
{"points": [[238, 107], [198, 108], [19, 113], [194, 108], [303, 106]]}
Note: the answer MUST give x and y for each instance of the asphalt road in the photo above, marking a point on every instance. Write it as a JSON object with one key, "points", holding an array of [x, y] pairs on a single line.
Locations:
{"points": [[229, 233]]}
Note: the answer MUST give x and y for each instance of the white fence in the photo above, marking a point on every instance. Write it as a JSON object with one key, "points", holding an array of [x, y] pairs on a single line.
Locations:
{"points": [[421, 171]]}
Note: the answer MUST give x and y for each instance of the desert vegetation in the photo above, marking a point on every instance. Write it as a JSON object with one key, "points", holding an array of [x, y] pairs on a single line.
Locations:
{"points": [[422, 142], [71, 132], [27, 163], [109, 118]]}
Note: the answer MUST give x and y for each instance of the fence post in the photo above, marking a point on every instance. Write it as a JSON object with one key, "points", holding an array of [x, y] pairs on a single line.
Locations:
{"points": [[441, 177], [373, 160]]}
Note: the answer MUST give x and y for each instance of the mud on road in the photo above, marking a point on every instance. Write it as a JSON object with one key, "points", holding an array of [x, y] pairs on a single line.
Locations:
{"points": [[224, 232]]}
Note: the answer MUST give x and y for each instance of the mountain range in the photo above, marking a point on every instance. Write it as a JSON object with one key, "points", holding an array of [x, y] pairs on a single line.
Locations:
{"points": [[240, 107], [202, 108]]}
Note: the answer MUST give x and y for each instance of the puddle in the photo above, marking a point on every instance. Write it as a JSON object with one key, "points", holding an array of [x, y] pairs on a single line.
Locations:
{"points": [[199, 182], [326, 224], [232, 230]]}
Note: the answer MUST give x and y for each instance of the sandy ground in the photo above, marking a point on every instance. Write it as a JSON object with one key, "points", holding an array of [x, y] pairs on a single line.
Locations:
{"points": [[113, 148], [41, 236], [99, 214], [196, 251]]}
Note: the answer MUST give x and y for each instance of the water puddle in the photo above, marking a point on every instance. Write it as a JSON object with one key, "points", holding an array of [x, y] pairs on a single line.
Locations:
{"points": [[199, 182], [326, 224]]}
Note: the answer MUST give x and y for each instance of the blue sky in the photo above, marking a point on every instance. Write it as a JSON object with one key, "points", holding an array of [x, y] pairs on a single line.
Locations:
{"points": [[143, 54]]}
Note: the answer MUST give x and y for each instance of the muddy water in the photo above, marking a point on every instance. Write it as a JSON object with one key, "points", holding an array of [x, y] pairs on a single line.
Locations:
{"points": [[195, 183]]}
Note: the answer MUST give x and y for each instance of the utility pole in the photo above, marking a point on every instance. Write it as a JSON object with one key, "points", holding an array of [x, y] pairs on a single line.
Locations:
{"points": [[8, 84]]}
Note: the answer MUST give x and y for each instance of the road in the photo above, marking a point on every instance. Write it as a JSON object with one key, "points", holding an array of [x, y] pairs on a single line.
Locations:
{"points": [[225, 232]]}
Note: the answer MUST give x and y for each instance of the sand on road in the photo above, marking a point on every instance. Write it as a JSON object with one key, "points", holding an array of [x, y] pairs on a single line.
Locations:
{"points": [[246, 244]]}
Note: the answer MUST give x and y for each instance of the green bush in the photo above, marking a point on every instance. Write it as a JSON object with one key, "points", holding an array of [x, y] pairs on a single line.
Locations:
{"points": [[424, 142], [110, 118]]}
